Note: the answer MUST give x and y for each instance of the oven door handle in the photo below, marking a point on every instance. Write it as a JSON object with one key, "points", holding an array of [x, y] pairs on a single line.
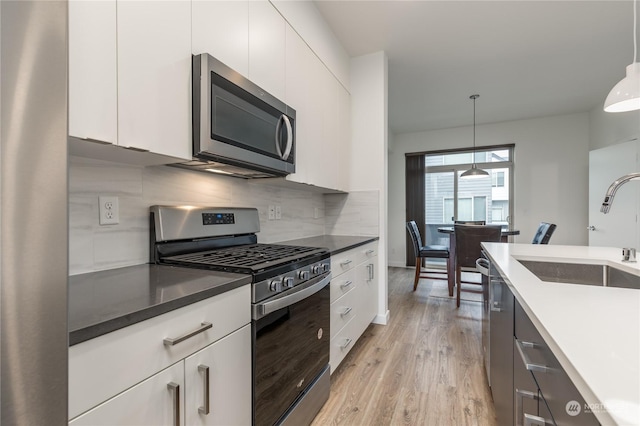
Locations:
{"points": [[306, 290]]}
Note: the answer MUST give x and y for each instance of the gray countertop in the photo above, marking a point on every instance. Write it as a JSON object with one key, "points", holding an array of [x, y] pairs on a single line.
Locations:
{"points": [[105, 301], [335, 243]]}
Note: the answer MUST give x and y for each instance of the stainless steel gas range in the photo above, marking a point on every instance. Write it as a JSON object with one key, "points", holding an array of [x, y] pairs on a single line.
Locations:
{"points": [[290, 302]]}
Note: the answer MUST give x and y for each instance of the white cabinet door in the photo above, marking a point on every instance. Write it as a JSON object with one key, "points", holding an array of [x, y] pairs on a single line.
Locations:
{"points": [[299, 94], [343, 150], [151, 402], [228, 394], [618, 228], [267, 40], [366, 274], [154, 76], [221, 29], [93, 110]]}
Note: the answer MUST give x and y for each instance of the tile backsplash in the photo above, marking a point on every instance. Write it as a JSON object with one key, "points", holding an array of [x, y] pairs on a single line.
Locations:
{"points": [[93, 247]]}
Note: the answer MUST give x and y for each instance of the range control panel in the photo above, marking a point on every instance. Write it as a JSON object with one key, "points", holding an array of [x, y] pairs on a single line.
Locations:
{"points": [[218, 219]]}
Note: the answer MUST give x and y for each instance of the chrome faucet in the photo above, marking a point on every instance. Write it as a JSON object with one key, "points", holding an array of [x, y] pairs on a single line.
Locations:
{"points": [[611, 192]]}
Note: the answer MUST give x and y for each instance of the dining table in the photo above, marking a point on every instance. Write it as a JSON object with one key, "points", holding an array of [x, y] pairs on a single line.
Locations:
{"points": [[451, 267]]}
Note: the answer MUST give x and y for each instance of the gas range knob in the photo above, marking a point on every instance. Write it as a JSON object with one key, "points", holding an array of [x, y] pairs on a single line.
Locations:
{"points": [[275, 286], [317, 269], [326, 267], [288, 282], [303, 275]]}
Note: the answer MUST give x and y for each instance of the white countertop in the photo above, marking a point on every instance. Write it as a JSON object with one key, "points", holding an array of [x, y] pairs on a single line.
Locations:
{"points": [[594, 331]]}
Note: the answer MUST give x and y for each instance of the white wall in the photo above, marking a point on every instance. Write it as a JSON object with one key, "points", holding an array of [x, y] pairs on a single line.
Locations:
{"points": [[606, 129], [369, 144], [550, 174]]}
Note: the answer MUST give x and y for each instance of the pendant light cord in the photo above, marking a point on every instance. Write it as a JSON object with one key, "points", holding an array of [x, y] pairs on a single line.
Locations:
{"points": [[635, 33]]}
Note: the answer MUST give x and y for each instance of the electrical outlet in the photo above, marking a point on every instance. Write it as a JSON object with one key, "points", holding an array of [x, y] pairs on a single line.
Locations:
{"points": [[109, 210], [278, 212], [272, 212]]}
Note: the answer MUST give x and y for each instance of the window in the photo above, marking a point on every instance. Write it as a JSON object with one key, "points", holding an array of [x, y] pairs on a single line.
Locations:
{"points": [[448, 197]]}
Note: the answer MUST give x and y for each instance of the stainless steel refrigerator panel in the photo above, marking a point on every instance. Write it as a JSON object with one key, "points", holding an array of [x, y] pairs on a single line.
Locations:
{"points": [[34, 229]]}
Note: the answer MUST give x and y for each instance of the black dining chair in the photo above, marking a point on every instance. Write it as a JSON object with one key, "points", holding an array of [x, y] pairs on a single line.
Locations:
{"points": [[544, 232], [424, 252], [468, 250], [469, 222]]}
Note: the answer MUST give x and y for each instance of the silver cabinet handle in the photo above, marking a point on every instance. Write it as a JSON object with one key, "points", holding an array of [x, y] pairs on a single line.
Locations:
{"points": [[368, 252], [174, 388], [519, 405], [206, 407], [346, 343], [345, 263], [531, 420], [370, 270], [170, 341], [591, 228], [346, 284], [525, 359], [346, 311]]}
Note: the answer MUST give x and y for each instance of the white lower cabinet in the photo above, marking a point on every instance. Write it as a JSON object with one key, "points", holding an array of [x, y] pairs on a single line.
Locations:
{"points": [[218, 382], [148, 403], [189, 366], [211, 387], [354, 298]]}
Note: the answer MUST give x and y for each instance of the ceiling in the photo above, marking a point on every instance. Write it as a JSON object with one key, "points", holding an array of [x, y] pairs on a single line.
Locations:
{"points": [[524, 58]]}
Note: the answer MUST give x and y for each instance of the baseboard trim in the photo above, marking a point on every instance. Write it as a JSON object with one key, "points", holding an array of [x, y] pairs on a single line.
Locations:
{"points": [[381, 319], [399, 265]]}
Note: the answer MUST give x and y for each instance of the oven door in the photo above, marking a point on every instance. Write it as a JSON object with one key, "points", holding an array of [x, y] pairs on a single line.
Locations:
{"points": [[290, 348]]}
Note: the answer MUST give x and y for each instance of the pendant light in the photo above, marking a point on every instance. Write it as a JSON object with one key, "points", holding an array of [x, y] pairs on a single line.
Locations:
{"points": [[474, 172], [625, 96]]}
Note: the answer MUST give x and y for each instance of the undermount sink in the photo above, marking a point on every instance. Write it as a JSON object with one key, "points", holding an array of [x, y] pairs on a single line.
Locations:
{"points": [[580, 273]]}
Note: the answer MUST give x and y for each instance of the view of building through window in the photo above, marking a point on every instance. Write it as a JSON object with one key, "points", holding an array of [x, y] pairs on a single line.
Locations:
{"points": [[450, 198]]}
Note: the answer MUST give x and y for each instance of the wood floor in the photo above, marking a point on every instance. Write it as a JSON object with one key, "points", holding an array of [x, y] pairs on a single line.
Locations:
{"points": [[424, 368]]}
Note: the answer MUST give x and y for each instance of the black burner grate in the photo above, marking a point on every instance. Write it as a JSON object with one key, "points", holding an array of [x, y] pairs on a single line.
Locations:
{"points": [[248, 258]]}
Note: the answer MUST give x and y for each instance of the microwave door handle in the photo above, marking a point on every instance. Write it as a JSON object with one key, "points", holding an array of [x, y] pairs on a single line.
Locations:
{"points": [[287, 150], [277, 137]]}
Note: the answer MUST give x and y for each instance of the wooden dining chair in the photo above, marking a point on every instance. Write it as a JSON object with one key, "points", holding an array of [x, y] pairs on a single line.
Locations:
{"points": [[544, 232], [468, 250], [424, 252]]}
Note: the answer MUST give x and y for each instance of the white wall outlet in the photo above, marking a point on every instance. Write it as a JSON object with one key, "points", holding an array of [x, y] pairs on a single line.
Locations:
{"points": [[272, 212], [278, 212], [317, 213], [109, 210]]}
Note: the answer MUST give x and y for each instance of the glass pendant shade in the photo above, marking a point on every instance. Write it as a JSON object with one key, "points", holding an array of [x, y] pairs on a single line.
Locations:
{"points": [[625, 96]]}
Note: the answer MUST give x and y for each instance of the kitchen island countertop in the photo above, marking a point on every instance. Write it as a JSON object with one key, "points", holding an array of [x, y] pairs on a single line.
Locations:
{"points": [[593, 331], [105, 301], [335, 243]]}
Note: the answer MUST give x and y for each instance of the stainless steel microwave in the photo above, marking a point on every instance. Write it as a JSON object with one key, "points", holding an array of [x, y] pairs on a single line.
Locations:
{"points": [[238, 128]]}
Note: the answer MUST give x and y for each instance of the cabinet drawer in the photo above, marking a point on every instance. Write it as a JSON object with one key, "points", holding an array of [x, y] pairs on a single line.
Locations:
{"points": [[102, 367], [344, 310], [341, 344], [342, 284], [350, 259], [554, 383]]}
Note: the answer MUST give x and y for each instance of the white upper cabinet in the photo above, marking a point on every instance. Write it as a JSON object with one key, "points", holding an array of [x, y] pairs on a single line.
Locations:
{"points": [[130, 78], [154, 85], [343, 148], [93, 110], [221, 29], [267, 40]]}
